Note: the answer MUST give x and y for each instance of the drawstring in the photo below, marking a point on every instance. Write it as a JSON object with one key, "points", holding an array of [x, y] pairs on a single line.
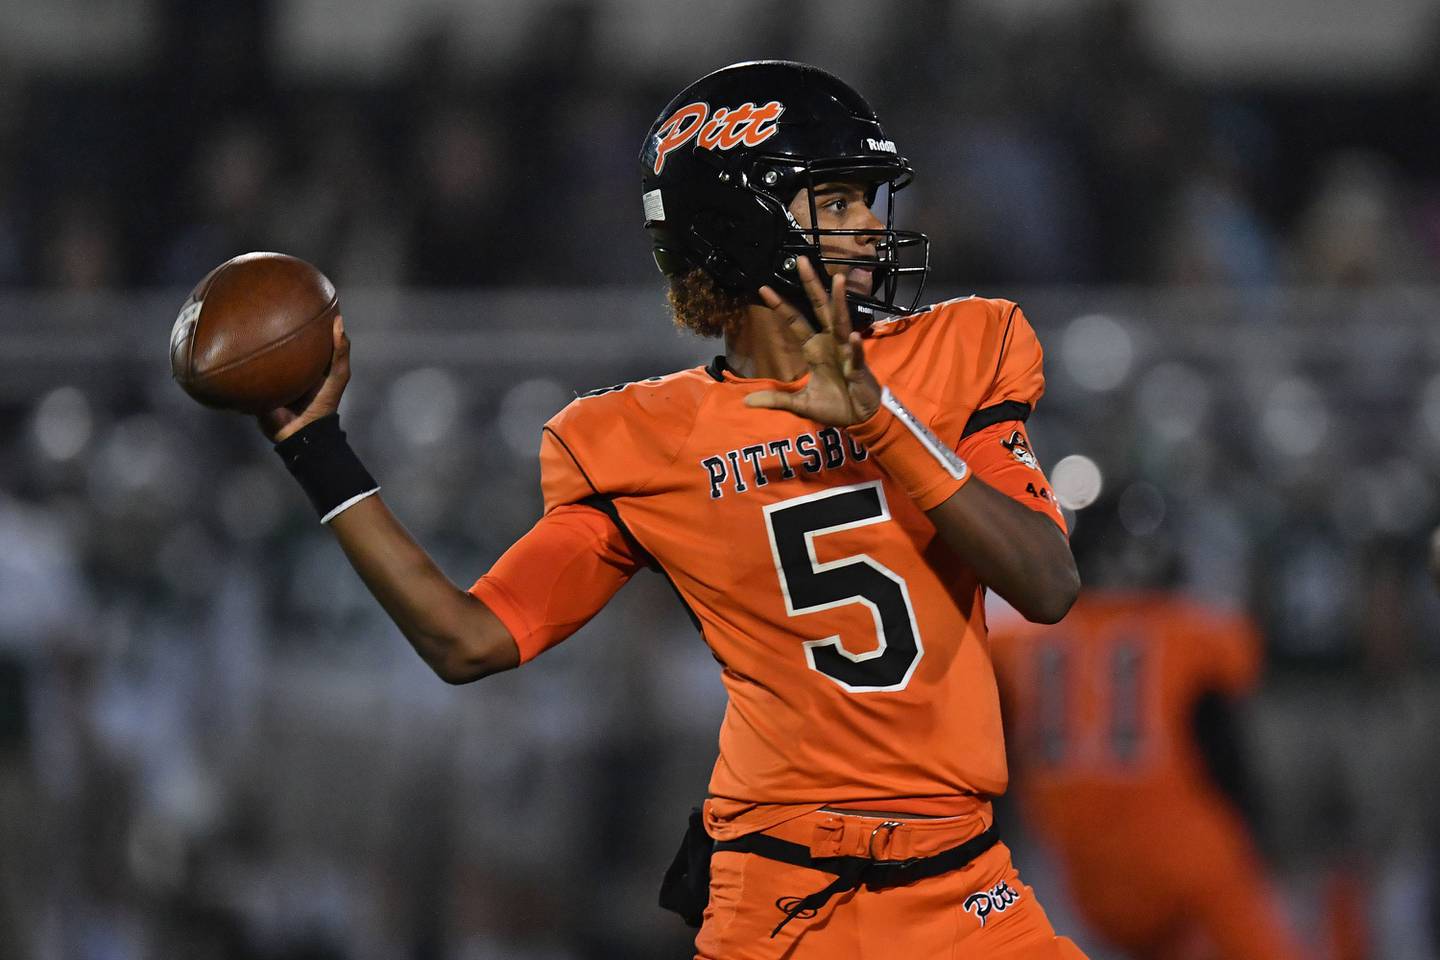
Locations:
{"points": [[851, 871]]}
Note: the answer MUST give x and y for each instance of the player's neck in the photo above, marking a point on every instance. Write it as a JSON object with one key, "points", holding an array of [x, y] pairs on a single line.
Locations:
{"points": [[761, 348]]}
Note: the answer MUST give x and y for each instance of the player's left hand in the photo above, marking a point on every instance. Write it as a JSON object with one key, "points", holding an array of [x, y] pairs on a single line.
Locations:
{"points": [[841, 389]]}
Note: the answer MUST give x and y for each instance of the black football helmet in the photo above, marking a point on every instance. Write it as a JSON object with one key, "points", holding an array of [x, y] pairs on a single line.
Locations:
{"points": [[725, 158]]}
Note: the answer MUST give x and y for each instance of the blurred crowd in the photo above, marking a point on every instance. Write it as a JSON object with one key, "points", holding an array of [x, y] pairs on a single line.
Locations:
{"points": [[214, 745], [1060, 149]]}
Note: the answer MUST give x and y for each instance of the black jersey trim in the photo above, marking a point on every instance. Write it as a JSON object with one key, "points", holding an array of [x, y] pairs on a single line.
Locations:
{"points": [[716, 368], [1005, 341], [573, 459], [606, 505], [999, 413]]}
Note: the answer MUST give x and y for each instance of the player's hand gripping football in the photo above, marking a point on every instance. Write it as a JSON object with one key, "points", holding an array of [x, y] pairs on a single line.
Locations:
{"points": [[841, 389], [319, 402]]}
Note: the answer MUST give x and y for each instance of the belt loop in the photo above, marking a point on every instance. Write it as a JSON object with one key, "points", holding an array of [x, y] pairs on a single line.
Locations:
{"points": [[889, 827], [828, 837]]}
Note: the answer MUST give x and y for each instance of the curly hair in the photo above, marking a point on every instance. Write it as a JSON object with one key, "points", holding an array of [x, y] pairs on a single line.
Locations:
{"points": [[698, 305]]}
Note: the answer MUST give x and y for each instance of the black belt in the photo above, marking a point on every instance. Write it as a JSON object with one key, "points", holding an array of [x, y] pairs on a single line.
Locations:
{"points": [[851, 872]]}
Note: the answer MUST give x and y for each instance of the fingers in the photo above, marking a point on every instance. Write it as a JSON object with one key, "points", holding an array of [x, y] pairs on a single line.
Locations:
{"points": [[339, 339], [340, 356], [852, 358], [832, 308], [772, 400], [857, 353], [297, 407], [840, 308], [815, 290], [273, 421], [796, 326]]}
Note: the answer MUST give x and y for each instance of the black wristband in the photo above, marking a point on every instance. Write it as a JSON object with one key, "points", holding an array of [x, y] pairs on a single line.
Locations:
{"points": [[332, 476]]}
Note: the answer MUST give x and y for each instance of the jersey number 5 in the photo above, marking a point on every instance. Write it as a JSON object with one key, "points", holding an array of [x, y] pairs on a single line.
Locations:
{"points": [[810, 586]]}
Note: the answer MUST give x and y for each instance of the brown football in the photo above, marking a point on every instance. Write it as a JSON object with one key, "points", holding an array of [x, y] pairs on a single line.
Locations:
{"points": [[254, 335]]}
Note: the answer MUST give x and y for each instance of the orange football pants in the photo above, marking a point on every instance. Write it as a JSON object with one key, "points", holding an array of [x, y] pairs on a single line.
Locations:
{"points": [[978, 912], [1192, 886]]}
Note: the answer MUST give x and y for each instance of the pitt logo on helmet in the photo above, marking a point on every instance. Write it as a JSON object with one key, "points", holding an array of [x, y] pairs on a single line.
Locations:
{"points": [[727, 128]]}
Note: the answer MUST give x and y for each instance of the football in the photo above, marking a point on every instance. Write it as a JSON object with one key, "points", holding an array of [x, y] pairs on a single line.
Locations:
{"points": [[255, 334]]}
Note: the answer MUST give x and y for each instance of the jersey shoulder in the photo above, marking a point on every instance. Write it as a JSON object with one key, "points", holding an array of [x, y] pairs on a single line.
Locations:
{"points": [[613, 440], [966, 318], [1204, 636], [1223, 642], [963, 356]]}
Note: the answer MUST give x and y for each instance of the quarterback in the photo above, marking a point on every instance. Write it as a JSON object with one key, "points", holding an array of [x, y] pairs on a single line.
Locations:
{"points": [[830, 498]]}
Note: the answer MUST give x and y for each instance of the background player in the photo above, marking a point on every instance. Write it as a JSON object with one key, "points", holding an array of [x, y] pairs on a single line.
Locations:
{"points": [[1125, 756], [837, 576]]}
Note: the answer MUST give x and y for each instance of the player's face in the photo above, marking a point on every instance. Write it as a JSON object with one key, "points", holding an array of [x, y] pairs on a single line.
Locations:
{"points": [[842, 206]]}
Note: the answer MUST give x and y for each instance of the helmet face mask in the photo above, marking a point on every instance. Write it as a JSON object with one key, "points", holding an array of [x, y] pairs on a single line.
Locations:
{"points": [[720, 174], [890, 263]]}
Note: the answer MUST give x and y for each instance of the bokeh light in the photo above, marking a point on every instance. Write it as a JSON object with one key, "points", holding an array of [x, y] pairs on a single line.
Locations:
{"points": [[1173, 400], [1077, 481], [62, 424], [1293, 418], [1097, 352], [423, 405], [523, 412], [1141, 508]]}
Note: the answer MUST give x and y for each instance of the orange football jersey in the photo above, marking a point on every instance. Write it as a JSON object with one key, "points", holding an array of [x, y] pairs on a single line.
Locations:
{"points": [[1103, 703], [852, 641]]}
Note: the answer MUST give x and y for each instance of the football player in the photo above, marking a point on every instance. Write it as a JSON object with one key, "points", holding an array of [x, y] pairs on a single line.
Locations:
{"points": [[830, 498], [1122, 734]]}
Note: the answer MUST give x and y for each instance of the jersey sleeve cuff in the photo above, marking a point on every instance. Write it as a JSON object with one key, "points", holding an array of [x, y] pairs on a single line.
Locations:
{"points": [[920, 462], [491, 592]]}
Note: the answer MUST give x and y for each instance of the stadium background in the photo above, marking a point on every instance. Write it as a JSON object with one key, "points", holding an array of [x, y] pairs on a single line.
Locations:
{"points": [[1222, 218]]}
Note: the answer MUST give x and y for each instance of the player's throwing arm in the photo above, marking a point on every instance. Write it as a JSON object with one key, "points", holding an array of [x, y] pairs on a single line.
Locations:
{"points": [[262, 334]]}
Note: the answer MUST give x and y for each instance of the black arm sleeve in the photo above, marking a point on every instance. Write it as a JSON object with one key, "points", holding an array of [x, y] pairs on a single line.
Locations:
{"points": [[1217, 731]]}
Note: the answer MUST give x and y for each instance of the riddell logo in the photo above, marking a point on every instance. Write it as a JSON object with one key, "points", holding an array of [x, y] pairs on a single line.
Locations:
{"points": [[888, 146], [725, 129]]}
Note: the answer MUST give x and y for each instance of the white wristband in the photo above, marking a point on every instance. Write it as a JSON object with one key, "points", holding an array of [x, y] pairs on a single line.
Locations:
{"points": [[347, 505]]}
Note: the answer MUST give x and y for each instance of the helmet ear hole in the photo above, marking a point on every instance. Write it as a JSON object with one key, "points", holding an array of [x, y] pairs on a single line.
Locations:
{"points": [[711, 237], [671, 264], [725, 271]]}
